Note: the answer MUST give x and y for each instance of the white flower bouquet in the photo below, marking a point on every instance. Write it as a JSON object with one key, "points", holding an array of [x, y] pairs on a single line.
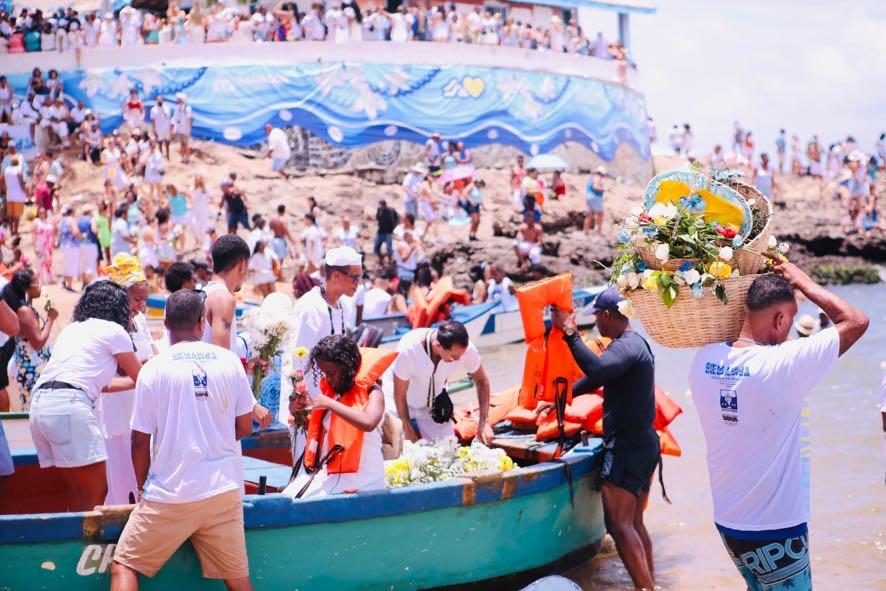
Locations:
{"points": [[425, 462], [270, 329]]}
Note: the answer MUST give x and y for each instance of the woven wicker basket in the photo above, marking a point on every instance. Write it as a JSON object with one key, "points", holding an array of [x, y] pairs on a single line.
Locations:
{"points": [[693, 322], [746, 262]]}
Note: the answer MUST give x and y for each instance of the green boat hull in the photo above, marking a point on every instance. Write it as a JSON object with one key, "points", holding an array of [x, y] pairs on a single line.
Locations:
{"points": [[460, 532]]}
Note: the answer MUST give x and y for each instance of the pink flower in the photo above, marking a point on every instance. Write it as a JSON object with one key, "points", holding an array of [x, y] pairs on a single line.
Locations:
{"points": [[301, 388]]}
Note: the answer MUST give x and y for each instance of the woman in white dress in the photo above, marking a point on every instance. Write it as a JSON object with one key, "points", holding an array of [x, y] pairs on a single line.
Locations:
{"points": [[427, 204], [261, 267], [115, 411], [155, 171], [200, 214]]}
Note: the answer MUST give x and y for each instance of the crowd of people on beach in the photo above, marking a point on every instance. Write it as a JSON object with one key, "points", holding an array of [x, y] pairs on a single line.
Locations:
{"points": [[337, 22], [848, 175]]}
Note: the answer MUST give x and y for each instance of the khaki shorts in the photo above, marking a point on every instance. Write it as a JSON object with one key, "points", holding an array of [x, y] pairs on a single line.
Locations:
{"points": [[214, 525], [15, 209]]}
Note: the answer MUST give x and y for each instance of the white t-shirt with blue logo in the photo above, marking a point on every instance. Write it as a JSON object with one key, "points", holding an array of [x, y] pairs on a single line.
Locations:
{"points": [[750, 402], [188, 398]]}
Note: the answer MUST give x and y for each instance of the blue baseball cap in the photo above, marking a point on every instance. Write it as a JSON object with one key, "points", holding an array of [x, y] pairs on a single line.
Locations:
{"points": [[607, 300]]}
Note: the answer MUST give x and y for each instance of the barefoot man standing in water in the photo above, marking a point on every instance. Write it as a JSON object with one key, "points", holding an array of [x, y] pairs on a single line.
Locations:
{"points": [[626, 370], [750, 393]]}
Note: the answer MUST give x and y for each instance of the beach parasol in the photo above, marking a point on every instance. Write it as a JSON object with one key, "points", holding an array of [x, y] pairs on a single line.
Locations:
{"points": [[460, 172], [547, 163]]}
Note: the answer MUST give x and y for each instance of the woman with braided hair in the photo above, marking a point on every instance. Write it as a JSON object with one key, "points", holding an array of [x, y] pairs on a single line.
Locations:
{"points": [[344, 445]]}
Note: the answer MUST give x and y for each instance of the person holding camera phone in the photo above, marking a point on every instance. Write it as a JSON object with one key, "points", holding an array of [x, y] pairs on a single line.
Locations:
{"points": [[427, 357]]}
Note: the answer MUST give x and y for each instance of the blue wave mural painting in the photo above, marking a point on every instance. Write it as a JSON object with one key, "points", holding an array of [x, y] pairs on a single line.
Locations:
{"points": [[355, 105]]}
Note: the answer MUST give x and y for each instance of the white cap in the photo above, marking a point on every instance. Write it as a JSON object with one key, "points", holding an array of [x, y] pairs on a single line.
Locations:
{"points": [[343, 256], [601, 170], [857, 156]]}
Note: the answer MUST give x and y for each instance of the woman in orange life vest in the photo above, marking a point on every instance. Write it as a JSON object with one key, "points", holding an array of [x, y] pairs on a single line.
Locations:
{"points": [[344, 446]]}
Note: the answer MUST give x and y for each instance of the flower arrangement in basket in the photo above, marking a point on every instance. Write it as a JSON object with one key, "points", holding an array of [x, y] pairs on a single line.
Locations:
{"points": [[699, 237]]}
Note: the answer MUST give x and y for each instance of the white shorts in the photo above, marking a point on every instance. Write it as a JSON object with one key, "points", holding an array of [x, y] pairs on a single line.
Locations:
{"points": [[163, 135], [89, 259], [65, 429], [430, 430], [532, 251], [70, 260]]}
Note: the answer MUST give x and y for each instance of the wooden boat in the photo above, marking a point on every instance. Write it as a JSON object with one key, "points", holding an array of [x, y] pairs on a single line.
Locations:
{"points": [[488, 324], [480, 531]]}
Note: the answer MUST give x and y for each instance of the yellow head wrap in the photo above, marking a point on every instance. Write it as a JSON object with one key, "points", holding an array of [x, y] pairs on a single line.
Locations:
{"points": [[125, 270]]}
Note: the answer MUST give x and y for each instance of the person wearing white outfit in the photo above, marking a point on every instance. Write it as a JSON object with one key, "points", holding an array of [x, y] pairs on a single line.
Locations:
{"points": [[502, 289], [84, 364], [181, 124], [358, 408], [319, 313], [115, 411], [427, 358], [162, 123]]}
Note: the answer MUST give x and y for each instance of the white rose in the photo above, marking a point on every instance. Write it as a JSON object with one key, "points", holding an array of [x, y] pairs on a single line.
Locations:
{"points": [[670, 211], [645, 275], [773, 242], [662, 252], [622, 281], [633, 280], [726, 253], [784, 247], [657, 210], [691, 276]]}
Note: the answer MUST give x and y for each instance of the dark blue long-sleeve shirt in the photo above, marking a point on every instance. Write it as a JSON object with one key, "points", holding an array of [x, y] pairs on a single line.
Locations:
{"points": [[626, 370]]}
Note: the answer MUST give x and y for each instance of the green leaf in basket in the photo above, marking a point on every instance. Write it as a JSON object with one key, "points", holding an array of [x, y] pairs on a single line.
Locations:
{"points": [[669, 295], [663, 280], [720, 292]]}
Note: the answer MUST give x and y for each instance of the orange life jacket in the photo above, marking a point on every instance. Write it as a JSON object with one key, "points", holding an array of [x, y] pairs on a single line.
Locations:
{"points": [[549, 368], [423, 313], [373, 364]]}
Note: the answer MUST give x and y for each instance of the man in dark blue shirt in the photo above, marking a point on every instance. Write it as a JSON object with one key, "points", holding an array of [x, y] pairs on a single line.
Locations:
{"points": [[626, 370]]}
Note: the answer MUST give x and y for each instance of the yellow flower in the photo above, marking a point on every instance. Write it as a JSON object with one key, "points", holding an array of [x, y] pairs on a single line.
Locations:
{"points": [[660, 221], [720, 270], [505, 464], [651, 282], [300, 352], [464, 452]]}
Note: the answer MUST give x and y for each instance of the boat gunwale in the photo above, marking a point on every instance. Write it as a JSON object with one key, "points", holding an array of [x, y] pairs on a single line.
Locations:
{"points": [[275, 510]]}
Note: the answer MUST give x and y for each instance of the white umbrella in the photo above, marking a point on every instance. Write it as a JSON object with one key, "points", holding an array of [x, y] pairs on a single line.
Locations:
{"points": [[547, 163]]}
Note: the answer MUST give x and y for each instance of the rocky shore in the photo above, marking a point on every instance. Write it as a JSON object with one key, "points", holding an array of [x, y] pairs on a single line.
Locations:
{"points": [[805, 215]]}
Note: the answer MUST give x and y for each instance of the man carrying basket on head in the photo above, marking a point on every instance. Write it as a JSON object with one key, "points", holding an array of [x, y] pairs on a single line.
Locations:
{"points": [[750, 394]]}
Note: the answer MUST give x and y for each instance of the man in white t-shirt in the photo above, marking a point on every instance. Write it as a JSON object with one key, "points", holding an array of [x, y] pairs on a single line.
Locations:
{"points": [[427, 358], [432, 152], [196, 404], [278, 149], [313, 237], [411, 184], [501, 288], [750, 393], [378, 298], [161, 121], [182, 121]]}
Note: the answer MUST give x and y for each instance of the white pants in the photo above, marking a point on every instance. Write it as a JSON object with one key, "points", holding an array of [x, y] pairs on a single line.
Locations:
{"points": [[119, 470]]}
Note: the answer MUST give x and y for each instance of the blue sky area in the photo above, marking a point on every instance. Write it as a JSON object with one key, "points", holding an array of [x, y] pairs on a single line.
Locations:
{"points": [[816, 66]]}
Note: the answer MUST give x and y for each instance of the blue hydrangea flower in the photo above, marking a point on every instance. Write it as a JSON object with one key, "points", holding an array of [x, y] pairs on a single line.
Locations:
{"points": [[685, 266], [737, 241], [624, 237], [693, 203], [650, 231], [697, 290], [641, 266]]}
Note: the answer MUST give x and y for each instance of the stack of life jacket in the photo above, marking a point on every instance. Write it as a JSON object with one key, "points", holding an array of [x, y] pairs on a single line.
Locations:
{"points": [[424, 312], [550, 371]]}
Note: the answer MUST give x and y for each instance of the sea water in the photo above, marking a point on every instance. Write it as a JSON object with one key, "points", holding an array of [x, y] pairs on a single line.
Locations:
{"points": [[848, 465]]}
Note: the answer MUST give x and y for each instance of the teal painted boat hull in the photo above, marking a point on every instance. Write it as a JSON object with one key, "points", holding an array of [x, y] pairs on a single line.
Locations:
{"points": [[461, 532]]}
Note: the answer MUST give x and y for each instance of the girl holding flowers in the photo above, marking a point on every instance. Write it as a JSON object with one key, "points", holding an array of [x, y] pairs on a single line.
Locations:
{"points": [[344, 448]]}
